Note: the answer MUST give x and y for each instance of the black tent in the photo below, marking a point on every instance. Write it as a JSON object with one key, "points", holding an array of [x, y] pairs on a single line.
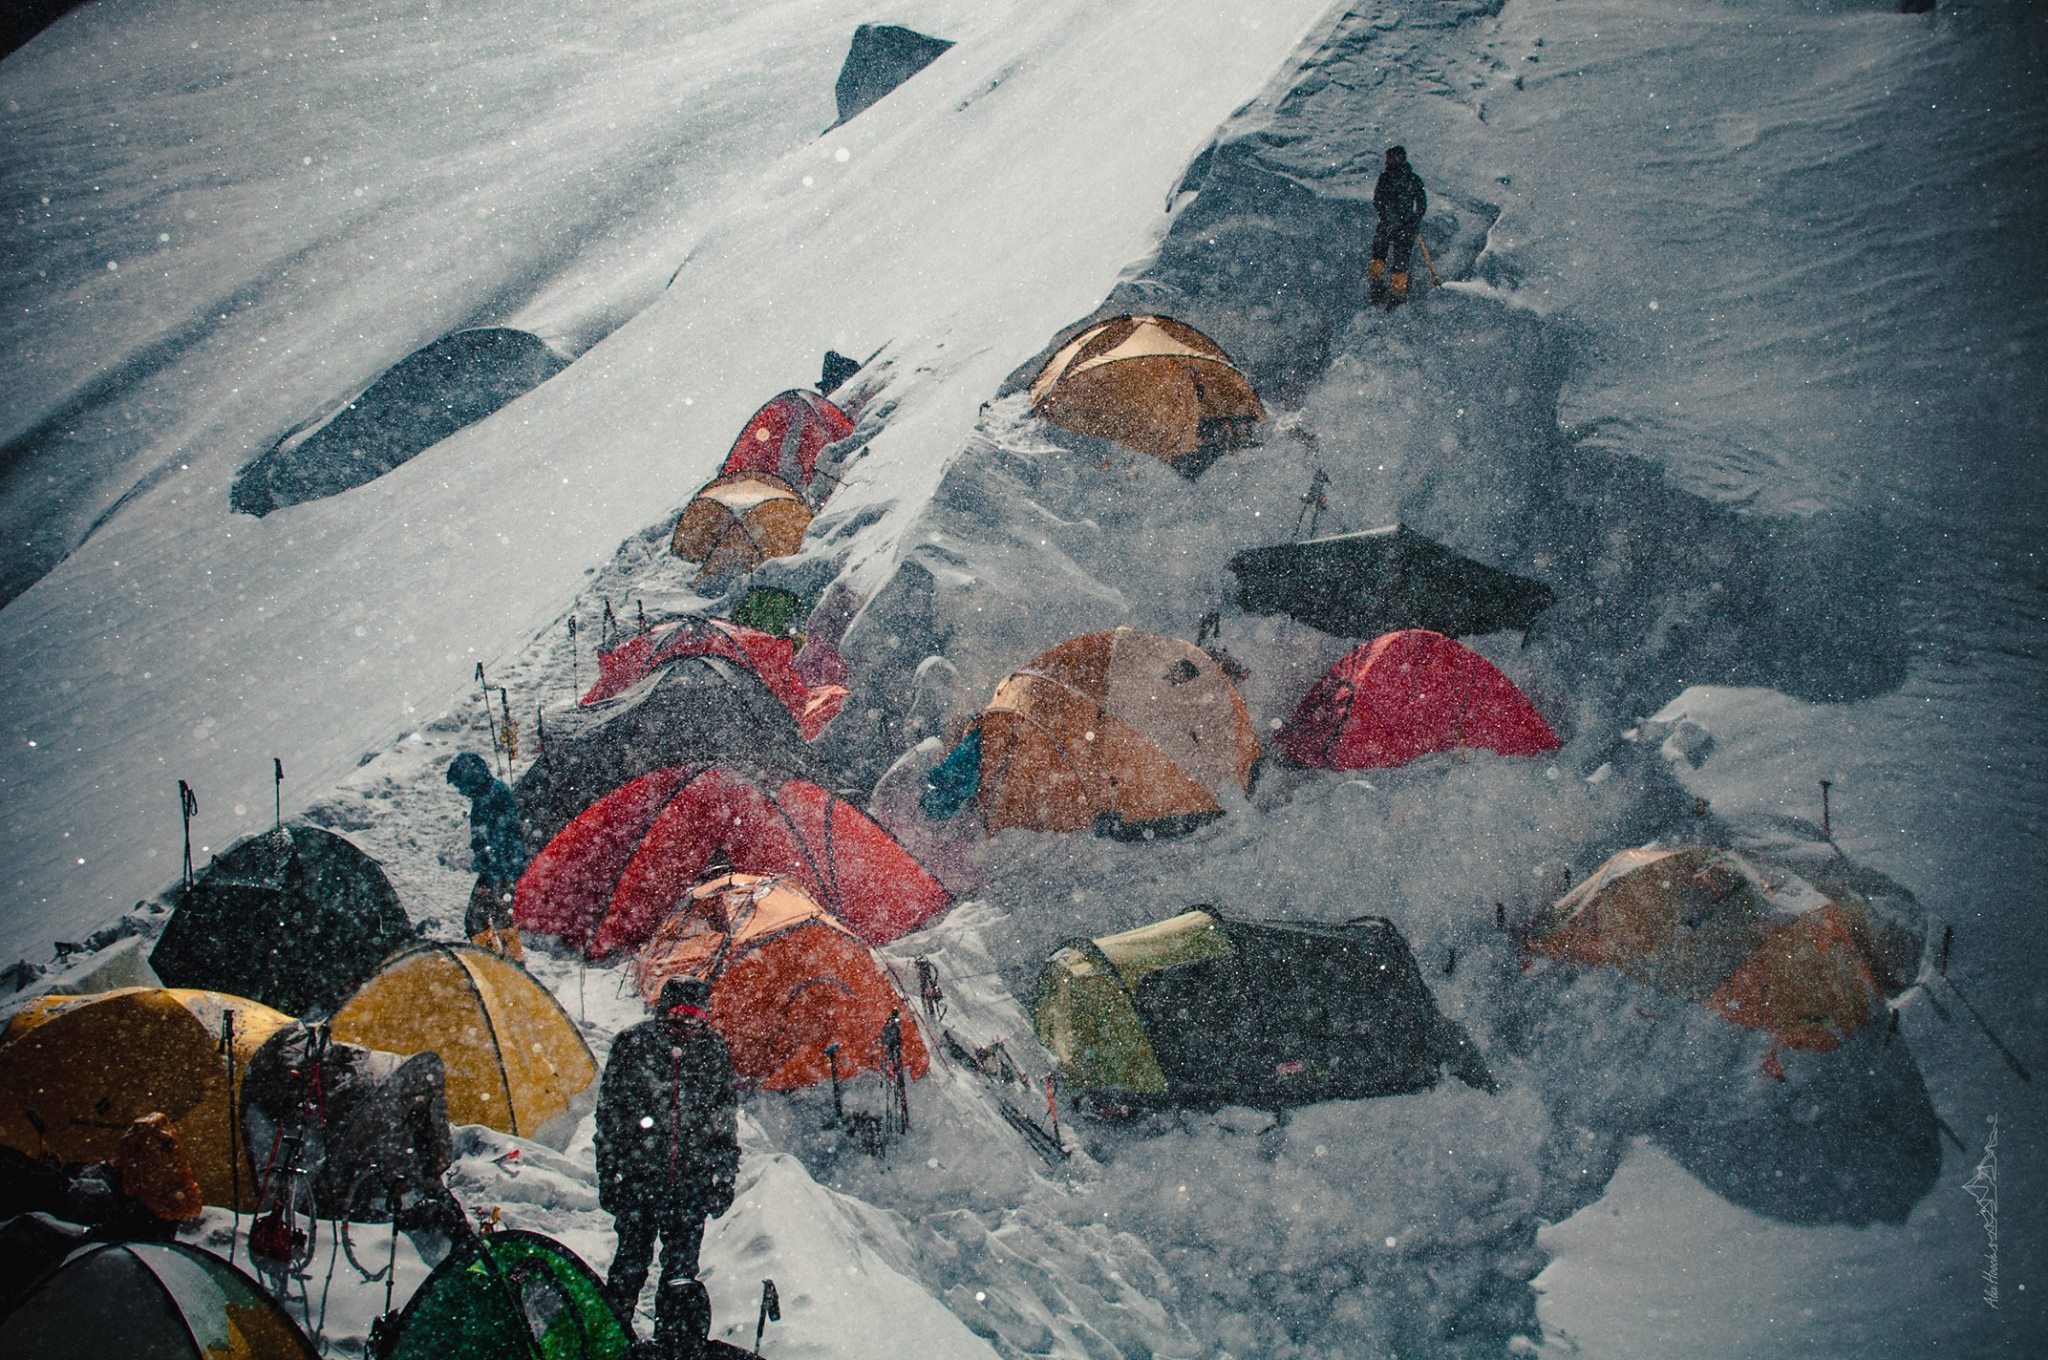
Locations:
{"points": [[693, 710], [1364, 584], [882, 57], [295, 918], [415, 404], [1207, 1010]]}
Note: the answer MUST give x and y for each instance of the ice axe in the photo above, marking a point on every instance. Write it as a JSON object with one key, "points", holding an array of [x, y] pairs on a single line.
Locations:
{"points": [[771, 1311], [1428, 263]]}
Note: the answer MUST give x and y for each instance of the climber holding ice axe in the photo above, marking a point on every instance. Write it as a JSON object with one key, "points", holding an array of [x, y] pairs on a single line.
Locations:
{"points": [[1400, 201]]}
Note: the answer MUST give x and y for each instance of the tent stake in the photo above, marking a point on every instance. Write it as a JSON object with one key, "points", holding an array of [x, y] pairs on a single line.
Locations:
{"points": [[1826, 830], [277, 791], [574, 687]]}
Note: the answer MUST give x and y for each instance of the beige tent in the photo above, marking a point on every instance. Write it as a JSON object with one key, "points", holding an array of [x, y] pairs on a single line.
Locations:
{"points": [[739, 521], [1152, 384], [1136, 728]]}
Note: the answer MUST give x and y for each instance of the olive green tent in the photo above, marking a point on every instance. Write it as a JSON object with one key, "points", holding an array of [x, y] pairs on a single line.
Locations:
{"points": [[156, 1300], [1384, 580], [1205, 1010], [509, 1296]]}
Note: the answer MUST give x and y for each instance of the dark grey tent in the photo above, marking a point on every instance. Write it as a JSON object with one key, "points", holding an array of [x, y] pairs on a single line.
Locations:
{"points": [[418, 402], [693, 710], [1382, 580], [296, 918], [882, 57], [1206, 1010]]}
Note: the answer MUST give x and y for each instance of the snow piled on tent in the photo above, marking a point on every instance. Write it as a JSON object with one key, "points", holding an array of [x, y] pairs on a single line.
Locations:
{"points": [[1701, 361]]}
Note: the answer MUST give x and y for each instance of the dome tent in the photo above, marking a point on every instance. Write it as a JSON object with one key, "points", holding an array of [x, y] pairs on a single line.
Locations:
{"points": [[1796, 953], [1384, 580], [738, 521], [1404, 696], [1150, 383], [785, 437], [695, 708], [1202, 1009], [294, 918], [161, 1300], [608, 878], [510, 1295], [513, 1059], [75, 1071], [788, 982], [1125, 732], [766, 654]]}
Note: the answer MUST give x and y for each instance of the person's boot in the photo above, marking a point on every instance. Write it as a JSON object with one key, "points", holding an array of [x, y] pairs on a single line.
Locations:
{"points": [[1376, 283], [1397, 289], [682, 1319]]}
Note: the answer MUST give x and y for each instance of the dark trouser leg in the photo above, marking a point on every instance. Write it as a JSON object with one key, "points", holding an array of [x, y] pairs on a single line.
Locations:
{"points": [[682, 1310], [629, 1264]]}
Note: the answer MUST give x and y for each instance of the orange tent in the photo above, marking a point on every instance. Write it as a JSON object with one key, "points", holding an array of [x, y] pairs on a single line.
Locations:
{"points": [[1149, 382], [1123, 731], [739, 521], [787, 982], [1753, 940]]}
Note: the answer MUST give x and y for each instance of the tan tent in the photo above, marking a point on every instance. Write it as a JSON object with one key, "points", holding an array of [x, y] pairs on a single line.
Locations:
{"points": [[1152, 384], [1123, 730], [75, 1071], [739, 521], [1793, 952], [514, 1059]]}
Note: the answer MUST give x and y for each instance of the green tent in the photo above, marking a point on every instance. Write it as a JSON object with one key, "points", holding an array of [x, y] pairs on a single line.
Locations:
{"points": [[1384, 580], [509, 1296], [160, 1300], [295, 918], [1205, 1010], [770, 609]]}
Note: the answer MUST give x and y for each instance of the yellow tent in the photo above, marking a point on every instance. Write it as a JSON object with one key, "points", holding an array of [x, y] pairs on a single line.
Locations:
{"points": [[1149, 382], [75, 1071], [739, 521], [514, 1059]]}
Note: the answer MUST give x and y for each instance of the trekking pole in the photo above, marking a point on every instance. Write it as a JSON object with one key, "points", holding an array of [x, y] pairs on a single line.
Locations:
{"points": [[1826, 831], [490, 720], [771, 1311], [832, 1067], [511, 728], [892, 1049], [1434, 281], [574, 688], [1052, 1111], [188, 807], [227, 1046], [277, 789]]}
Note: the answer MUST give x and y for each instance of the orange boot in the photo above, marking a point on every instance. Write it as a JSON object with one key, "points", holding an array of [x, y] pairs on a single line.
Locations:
{"points": [[1376, 282], [1397, 289]]}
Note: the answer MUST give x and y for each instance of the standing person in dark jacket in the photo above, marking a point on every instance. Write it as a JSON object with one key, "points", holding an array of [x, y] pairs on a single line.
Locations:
{"points": [[1399, 199], [497, 843], [667, 1152]]}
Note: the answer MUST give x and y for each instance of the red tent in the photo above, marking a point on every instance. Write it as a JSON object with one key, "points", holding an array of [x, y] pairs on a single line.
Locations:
{"points": [[1405, 695], [610, 876], [766, 655], [785, 437]]}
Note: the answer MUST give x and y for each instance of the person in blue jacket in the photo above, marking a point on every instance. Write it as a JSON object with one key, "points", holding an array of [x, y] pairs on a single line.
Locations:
{"points": [[1400, 200], [497, 843]]}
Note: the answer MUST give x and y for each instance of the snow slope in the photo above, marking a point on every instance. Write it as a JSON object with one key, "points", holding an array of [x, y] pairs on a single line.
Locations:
{"points": [[1739, 347]]}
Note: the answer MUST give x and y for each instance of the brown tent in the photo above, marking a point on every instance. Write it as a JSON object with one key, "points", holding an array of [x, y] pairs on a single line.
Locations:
{"points": [[739, 521], [1793, 952], [1151, 383], [1122, 731]]}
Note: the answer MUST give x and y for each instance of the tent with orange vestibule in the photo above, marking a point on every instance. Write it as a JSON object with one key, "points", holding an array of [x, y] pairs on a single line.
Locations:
{"points": [[785, 437], [1406, 695], [1126, 733], [797, 996], [607, 879], [514, 1061], [77, 1071], [738, 521], [769, 657], [1152, 384], [1799, 953]]}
